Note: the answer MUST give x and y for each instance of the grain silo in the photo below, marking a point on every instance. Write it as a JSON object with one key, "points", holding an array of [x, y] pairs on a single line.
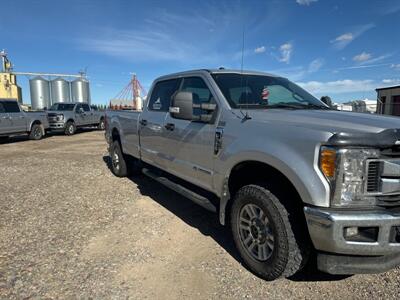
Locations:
{"points": [[60, 90], [40, 93], [80, 90]]}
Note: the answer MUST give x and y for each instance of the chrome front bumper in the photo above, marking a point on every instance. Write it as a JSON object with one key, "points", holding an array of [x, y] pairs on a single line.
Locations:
{"points": [[327, 229], [57, 125]]}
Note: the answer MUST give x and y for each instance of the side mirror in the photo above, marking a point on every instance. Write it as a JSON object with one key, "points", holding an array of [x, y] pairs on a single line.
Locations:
{"points": [[182, 106], [81, 111]]}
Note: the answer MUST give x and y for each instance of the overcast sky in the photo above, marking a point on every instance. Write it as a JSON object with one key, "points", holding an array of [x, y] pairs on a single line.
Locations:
{"points": [[344, 48]]}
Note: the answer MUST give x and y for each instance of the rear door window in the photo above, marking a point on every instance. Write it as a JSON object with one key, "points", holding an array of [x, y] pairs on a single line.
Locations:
{"points": [[161, 96], [11, 106]]}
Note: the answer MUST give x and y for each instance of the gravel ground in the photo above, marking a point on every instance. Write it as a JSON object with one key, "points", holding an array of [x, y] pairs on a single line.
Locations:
{"points": [[70, 229]]}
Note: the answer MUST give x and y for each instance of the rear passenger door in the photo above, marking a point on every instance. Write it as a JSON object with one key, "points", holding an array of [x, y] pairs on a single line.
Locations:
{"points": [[151, 123]]}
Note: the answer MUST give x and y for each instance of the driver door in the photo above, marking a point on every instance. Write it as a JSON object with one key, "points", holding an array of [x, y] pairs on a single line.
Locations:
{"points": [[79, 115], [189, 145]]}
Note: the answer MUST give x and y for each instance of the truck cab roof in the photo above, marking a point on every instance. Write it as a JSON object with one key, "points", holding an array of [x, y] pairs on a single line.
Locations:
{"points": [[213, 71]]}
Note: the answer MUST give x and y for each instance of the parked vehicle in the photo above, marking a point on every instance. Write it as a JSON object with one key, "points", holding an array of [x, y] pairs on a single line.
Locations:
{"points": [[15, 121], [68, 117], [293, 178]]}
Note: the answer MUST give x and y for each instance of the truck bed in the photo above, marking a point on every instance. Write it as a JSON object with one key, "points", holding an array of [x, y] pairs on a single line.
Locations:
{"points": [[127, 122]]}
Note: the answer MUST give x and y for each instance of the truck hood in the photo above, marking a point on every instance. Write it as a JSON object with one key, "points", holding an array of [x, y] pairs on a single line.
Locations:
{"points": [[327, 120]]}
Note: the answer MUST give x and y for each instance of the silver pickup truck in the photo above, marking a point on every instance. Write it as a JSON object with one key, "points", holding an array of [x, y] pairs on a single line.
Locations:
{"points": [[67, 117], [15, 121], [294, 179]]}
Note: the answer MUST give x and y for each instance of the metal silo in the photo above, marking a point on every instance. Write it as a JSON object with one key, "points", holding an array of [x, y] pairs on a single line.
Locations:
{"points": [[80, 90], [40, 93], [60, 90]]}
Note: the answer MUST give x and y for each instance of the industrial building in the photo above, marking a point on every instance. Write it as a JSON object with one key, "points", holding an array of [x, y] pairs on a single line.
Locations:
{"points": [[45, 88], [389, 100], [8, 81]]}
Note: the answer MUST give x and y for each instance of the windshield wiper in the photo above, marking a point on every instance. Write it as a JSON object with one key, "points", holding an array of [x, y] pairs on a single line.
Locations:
{"points": [[317, 106], [286, 105]]}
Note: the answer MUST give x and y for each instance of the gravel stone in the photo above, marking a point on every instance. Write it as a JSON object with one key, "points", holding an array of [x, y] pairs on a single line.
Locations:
{"points": [[70, 229]]}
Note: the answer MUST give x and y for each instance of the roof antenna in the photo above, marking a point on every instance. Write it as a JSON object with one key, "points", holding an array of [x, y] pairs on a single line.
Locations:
{"points": [[246, 114]]}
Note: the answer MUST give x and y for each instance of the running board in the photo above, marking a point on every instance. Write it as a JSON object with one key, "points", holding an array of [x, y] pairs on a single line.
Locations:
{"points": [[196, 198]]}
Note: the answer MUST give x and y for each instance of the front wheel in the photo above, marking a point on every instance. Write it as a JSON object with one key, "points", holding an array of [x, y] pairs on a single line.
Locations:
{"points": [[70, 128], [36, 132], [101, 125], [264, 235]]}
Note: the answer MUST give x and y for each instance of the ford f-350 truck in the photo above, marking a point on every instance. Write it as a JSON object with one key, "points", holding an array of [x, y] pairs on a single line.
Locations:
{"points": [[293, 178], [67, 117], [15, 121]]}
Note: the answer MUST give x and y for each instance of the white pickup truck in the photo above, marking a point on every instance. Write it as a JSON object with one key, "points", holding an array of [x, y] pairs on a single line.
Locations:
{"points": [[15, 121]]}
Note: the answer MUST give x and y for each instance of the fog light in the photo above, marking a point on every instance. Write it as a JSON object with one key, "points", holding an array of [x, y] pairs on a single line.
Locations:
{"points": [[350, 231]]}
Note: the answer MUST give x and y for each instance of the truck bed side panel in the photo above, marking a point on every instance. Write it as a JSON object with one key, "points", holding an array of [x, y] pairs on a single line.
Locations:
{"points": [[126, 122]]}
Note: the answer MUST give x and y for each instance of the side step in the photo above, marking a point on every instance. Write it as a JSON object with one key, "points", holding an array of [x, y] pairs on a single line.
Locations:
{"points": [[196, 198]]}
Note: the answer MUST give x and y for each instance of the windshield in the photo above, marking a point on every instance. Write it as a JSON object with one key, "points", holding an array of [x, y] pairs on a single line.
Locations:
{"points": [[259, 91], [62, 106]]}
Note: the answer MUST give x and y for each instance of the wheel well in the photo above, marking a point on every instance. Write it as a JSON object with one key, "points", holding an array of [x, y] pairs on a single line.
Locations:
{"points": [[71, 120], [36, 122], [101, 118], [115, 135], [253, 172]]}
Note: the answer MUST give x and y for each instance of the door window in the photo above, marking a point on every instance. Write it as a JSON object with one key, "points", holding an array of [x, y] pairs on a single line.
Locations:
{"points": [[78, 107], [2, 110], [201, 93], [161, 96], [86, 107], [11, 106]]}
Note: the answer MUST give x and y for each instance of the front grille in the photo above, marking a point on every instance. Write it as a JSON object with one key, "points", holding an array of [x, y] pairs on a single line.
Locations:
{"points": [[373, 177]]}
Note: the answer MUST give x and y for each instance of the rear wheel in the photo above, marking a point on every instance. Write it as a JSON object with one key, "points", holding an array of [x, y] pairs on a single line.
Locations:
{"points": [[122, 165], [264, 234], [36, 132], [70, 128]]}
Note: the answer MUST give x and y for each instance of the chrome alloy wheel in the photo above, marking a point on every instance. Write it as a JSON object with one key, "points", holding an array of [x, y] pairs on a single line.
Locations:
{"points": [[71, 129], [255, 232], [37, 133], [115, 161]]}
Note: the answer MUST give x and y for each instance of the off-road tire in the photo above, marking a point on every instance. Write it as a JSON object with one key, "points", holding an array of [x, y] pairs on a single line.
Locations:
{"points": [[290, 250], [70, 128], [101, 125], [36, 132], [122, 165], [118, 163]]}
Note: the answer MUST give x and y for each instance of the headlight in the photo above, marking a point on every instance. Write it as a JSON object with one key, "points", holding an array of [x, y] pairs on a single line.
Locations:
{"points": [[345, 169], [60, 117]]}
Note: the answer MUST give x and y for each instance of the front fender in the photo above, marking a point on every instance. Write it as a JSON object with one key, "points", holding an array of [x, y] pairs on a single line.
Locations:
{"points": [[291, 151]]}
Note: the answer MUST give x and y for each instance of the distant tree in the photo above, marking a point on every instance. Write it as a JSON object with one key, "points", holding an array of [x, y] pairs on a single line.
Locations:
{"points": [[327, 100]]}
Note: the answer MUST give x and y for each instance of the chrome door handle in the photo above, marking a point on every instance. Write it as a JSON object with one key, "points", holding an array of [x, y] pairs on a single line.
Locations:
{"points": [[143, 122]]}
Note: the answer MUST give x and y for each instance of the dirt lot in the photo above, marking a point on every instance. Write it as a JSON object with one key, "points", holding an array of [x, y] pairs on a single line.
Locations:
{"points": [[70, 229]]}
